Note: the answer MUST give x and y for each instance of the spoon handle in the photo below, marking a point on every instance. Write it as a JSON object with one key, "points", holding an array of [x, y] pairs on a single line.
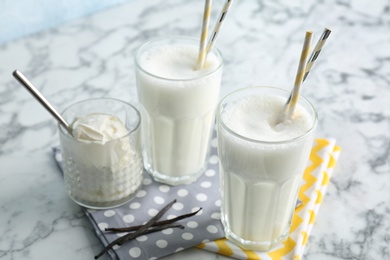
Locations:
{"points": [[38, 96]]}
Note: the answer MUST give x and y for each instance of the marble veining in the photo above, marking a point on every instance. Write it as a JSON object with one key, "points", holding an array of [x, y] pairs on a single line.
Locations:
{"points": [[260, 42]]}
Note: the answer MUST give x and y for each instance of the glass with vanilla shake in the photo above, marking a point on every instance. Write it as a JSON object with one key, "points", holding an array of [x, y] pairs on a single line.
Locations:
{"points": [[177, 105], [262, 160]]}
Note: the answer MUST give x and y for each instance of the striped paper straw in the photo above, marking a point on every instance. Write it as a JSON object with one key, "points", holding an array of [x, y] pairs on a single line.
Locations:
{"points": [[300, 73], [203, 36], [218, 25], [316, 52], [314, 55]]}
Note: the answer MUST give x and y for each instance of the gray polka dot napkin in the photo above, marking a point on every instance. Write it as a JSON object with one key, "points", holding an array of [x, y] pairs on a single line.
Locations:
{"points": [[151, 198]]}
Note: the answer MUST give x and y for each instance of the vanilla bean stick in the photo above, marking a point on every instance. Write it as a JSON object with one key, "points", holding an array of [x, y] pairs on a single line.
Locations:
{"points": [[140, 231], [162, 227], [159, 223], [125, 238]]}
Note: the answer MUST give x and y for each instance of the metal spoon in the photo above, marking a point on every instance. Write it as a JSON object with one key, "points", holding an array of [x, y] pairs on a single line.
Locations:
{"points": [[38, 96]]}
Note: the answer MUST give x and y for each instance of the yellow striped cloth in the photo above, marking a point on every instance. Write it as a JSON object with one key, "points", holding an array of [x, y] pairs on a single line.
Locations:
{"points": [[322, 161]]}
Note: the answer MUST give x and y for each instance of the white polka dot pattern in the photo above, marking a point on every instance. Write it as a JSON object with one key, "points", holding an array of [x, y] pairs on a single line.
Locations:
{"points": [[140, 194], [128, 218], [192, 224], [159, 200], [162, 243], [201, 197], [102, 226], [216, 215], [187, 236], [146, 181], [135, 205], [210, 173], [212, 229], [178, 206], [205, 184], [109, 213], [152, 197], [167, 231], [152, 212], [171, 216], [142, 238], [164, 188], [135, 252], [213, 159], [182, 192]]}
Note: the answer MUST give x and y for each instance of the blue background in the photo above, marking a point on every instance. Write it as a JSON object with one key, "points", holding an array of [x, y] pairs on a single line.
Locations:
{"points": [[19, 18]]}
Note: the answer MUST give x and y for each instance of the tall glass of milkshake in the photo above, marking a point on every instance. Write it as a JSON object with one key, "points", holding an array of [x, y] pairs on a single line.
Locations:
{"points": [[177, 105], [262, 161]]}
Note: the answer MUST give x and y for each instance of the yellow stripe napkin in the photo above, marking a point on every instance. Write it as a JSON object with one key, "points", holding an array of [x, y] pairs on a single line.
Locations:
{"points": [[322, 161]]}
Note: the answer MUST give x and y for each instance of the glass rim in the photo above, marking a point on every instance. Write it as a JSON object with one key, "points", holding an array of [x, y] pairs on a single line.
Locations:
{"points": [[65, 133], [161, 39], [290, 140]]}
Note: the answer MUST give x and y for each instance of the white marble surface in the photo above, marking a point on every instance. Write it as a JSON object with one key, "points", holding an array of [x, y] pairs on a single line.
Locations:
{"points": [[261, 41]]}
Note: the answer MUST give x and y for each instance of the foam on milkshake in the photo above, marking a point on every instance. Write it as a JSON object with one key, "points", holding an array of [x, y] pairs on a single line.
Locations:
{"points": [[257, 117], [176, 62]]}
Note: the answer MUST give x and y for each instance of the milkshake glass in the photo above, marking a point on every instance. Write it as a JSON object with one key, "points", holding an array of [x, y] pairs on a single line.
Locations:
{"points": [[177, 105], [101, 172], [261, 164]]}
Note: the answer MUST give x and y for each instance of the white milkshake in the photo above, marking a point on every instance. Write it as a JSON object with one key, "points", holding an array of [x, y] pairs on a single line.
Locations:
{"points": [[261, 164], [102, 164], [177, 105]]}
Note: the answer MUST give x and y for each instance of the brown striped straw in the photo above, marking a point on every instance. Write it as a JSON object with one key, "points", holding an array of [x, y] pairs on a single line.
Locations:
{"points": [[203, 36], [299, 77], [316, 51], [218, 25]]}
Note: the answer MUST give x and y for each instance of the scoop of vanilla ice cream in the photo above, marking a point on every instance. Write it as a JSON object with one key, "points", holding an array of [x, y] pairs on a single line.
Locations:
{"points": [[98, 127], [104, 164], [103, 143]]}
